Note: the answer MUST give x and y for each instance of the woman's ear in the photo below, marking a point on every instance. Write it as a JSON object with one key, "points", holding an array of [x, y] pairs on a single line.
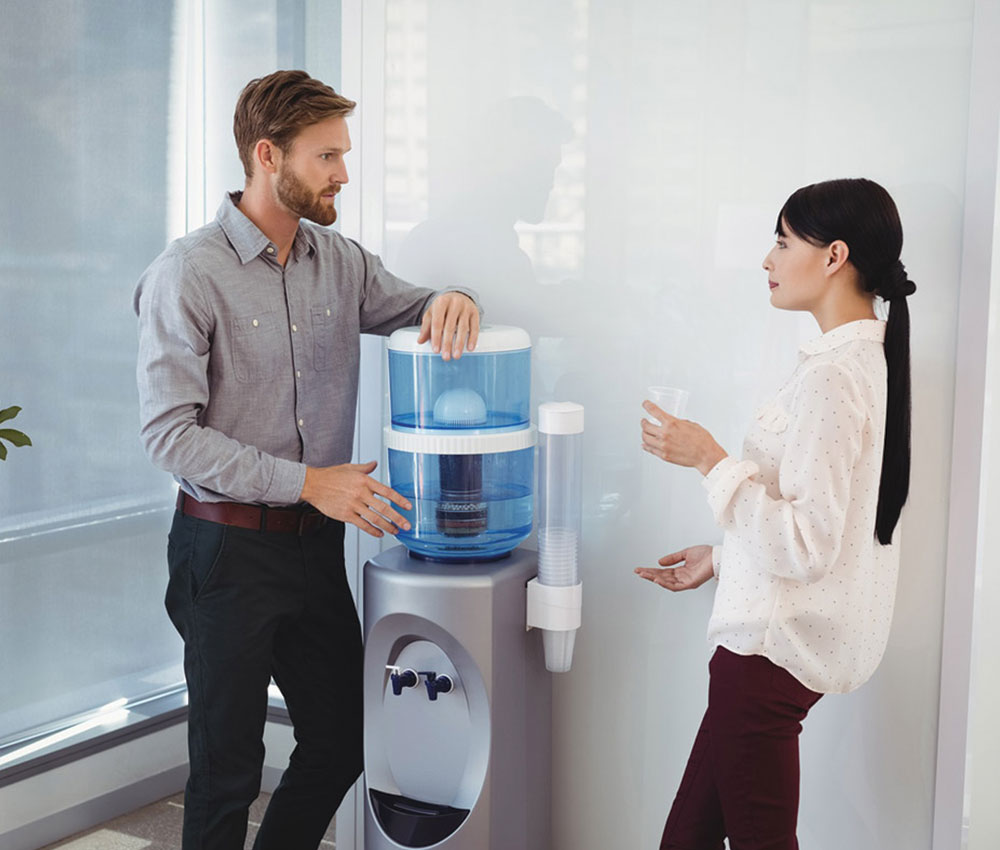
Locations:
{"points": [[836, 257]]}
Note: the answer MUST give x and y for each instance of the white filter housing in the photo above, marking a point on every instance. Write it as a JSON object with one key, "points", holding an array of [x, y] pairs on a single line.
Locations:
{"points": [[557, 602]]}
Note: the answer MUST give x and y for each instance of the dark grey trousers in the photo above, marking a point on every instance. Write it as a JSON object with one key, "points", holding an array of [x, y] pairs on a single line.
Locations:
{"points": [[251, 605]]}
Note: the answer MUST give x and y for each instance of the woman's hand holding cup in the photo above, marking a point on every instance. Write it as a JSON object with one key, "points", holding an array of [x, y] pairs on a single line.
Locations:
{"points": [[679, 441]]}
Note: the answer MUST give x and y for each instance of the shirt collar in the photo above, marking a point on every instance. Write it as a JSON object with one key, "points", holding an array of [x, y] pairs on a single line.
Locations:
{"points": [[870, 330], [246, 238], [305, 238]]}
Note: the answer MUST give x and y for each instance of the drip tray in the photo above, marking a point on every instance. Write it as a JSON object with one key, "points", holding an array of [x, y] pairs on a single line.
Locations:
{"points": [[413, 823]]}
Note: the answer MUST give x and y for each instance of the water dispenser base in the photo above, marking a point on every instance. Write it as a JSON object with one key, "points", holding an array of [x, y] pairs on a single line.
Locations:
{"points": [[484, 747], [413, 823]]}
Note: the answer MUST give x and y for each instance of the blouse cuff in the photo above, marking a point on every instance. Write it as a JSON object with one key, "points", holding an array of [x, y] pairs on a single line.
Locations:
{"points": [[724, 479], [716, 560]]}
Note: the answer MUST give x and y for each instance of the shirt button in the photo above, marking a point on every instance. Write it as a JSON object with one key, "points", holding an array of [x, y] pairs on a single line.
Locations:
{"points": [[301, 423], [295, 327], [255, 323], [298, 373], [270, 250], [328, 311]]}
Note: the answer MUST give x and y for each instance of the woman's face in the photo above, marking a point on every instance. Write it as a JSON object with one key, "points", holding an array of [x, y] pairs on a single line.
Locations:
{"points": [[796, 271]]}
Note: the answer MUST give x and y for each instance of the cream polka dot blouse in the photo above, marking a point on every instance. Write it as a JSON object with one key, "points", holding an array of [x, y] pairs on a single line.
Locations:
{"points": [[802, 579]]}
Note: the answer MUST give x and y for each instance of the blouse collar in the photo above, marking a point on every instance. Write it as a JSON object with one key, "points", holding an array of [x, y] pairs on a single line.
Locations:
{"points": [[867, 330]]}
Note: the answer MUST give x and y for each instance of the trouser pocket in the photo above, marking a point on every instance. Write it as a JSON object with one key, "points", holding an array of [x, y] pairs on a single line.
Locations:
{"points": [[194, 549]]}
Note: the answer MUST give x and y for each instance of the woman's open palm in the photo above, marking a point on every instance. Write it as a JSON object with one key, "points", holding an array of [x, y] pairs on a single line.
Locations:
{"points": [[695, 568]]}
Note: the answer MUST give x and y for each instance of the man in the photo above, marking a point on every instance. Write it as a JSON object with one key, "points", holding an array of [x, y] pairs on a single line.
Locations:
{"points": [[248, 370]]}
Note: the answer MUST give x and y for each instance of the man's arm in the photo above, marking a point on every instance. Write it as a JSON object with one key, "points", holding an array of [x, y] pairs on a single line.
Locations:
{"points": [[388, 303]]}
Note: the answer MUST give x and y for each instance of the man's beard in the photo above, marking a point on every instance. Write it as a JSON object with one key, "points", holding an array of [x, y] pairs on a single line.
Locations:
{"points": [[303, 202]]}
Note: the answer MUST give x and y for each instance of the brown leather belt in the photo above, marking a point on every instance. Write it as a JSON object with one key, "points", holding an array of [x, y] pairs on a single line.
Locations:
{"points": [[300, 519]]}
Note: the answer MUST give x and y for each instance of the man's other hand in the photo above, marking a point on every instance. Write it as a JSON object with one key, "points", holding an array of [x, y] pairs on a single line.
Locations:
{"points": [[348, 492]]}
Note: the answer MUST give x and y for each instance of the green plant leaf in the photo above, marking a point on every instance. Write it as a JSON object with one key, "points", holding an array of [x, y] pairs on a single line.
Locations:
{"points": [[3, 452], [16, 438], [9, 413]]}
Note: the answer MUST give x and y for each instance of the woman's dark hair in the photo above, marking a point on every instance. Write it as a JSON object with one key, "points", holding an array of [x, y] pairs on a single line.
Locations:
{"points": [[862, 214]]}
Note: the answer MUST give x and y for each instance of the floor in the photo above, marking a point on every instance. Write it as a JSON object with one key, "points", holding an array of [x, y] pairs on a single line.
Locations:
{"points": [[158, 827]]}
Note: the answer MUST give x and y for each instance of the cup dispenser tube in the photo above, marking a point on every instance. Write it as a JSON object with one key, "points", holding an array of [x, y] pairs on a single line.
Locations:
{"points": [[555, 596]]}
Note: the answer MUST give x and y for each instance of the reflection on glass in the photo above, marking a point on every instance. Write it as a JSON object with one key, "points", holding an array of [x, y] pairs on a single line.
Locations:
{"points": [[687, 122]]}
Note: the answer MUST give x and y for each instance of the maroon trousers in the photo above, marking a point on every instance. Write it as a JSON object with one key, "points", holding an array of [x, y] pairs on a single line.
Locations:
{"points": [[742, 779]]}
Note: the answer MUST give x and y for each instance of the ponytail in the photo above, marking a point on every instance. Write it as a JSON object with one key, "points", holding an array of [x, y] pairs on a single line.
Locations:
{"points": [[894, 484]]}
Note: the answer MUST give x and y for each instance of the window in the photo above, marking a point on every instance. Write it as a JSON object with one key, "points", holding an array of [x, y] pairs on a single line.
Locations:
{"points": [[118, 116]]}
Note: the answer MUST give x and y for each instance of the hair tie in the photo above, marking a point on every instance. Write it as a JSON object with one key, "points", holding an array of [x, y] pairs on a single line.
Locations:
{"points": [[896, 284]]}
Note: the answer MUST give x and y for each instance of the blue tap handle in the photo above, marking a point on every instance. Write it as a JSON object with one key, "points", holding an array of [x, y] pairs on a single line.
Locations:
{"points": [[436, 684], [403, 679]]}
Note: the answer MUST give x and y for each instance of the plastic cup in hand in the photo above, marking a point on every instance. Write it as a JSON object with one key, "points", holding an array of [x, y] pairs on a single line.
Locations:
{"points": [[669, 399]]}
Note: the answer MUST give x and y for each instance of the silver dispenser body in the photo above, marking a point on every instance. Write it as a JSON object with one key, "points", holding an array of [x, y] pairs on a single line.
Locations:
{"points": [[468, 768]]}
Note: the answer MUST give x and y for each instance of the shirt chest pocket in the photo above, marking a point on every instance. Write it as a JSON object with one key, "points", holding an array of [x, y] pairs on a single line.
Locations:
{"points": [[255, 347], [765, 441], [322, 332], [772, 417]]}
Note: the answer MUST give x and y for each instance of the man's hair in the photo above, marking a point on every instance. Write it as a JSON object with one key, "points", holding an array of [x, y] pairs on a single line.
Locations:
{"points": [[277, 107]]}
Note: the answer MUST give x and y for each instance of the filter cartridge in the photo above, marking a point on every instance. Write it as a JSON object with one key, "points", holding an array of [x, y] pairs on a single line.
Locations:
{"points": [[461, 511]]}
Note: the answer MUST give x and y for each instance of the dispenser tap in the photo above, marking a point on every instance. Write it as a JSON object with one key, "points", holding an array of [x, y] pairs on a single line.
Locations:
{"points": [[436, 684], [401, 678]]}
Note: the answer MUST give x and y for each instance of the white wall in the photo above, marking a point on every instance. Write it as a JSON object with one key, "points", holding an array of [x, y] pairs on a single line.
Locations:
{"points": [[984, 734], [983, 751], [689, 125]]}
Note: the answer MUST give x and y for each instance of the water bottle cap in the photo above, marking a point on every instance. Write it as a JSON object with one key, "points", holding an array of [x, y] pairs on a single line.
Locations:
{"points": [[493, 339]]}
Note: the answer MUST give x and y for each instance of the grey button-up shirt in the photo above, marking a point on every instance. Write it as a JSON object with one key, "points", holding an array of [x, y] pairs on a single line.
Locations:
{"points": [[248, 371]]}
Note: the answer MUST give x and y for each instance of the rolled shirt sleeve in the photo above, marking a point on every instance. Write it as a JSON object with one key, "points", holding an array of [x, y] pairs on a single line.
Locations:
{"points": [[798, 534], [387, 302]]}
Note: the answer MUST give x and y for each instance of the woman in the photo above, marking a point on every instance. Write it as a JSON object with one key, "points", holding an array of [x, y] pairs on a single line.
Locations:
{"points": [[807, 569]]}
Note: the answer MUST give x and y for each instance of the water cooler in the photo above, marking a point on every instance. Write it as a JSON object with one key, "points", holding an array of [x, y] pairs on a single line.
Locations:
{"points": [[457, 694]]}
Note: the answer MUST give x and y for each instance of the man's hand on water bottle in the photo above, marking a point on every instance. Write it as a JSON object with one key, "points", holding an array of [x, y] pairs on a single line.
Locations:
{"points": [[451, 323], [348, 492]]}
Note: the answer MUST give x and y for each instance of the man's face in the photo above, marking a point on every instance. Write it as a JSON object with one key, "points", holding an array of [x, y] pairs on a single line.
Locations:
{"points": [[310, 175]]}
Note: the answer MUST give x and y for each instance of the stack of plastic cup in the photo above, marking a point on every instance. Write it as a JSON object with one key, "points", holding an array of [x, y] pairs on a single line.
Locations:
{"points": [[557, 556], [560, 462]]}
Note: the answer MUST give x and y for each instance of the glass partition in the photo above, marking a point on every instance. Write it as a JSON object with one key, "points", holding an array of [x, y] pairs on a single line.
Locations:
{"points": [[607, 176]]}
